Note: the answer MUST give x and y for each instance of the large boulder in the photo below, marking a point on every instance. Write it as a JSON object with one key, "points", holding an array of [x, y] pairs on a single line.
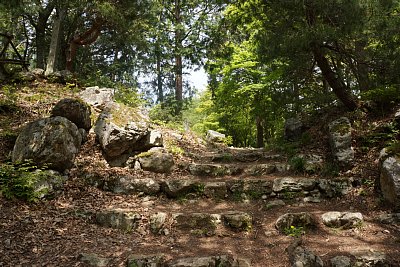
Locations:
{"points": [[97, 97], [293, 129], [390, 181], [120, 131], [75, 110], [156, 160], [340, 141], [52, 142]]}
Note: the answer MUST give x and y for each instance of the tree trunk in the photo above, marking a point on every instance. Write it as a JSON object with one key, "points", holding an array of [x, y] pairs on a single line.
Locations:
{"points": [[40, 28], [178, 56], [260, 132], [362, 67], [339, 87], [55, 41], [341, 90], [86, 38], [160, 93]]}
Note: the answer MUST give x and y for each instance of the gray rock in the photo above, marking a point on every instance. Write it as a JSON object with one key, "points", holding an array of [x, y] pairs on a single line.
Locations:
{"points": [[345, 220], [392, 218], [370, 258], [223, 261], [302, 257], [157, 222], [118, 219], [129, 185], [293, 129], [176, 188], [156, 160], [37, 72], [301, 219], [97, 97], [49, 183], [312, 163], [390, 181], [274, 204], [202, 224], [146, 261], [62, 76], [213, 169], [52, 142], [154, 139], [334, 188], [261, 169], [215, 137], [238, 220], [93, 260], [340, 261], [74, 110], [340, 141], [289, 184], [215, 190], [119, 131]]}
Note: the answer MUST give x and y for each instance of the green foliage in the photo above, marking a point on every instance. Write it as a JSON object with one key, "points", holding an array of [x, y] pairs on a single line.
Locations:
{"points": [[128, 96], [294, 231], [384, 96], [21, 180], [394, 148], [330, 169], [297, 164]]}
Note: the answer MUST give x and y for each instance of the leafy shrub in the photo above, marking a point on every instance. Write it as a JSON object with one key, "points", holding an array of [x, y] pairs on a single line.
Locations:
{"points": [[298, 164], [384, 96], [294, 231], [22, 181], [128, 96]]}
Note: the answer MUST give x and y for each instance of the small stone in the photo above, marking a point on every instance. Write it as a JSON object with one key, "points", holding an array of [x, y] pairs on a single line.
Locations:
{"points": [[157, 222], [275, 203], [301, 219], [345, 220], [238, 220]]}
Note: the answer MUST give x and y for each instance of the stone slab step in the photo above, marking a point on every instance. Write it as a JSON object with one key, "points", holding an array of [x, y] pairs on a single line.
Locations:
{"points": [[226, 189], [160, 260], [219, 170], [199, 224]]}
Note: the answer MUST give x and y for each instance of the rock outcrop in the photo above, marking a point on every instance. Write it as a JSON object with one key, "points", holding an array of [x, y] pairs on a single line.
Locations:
{"points": [[120, 131], [390, 181], [52, 142], [340, 141], [97, 97], [293, 129], [156, 160]]}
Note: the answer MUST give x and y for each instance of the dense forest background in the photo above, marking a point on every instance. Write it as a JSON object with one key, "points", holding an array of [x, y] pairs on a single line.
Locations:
{"points": [[266, 60]]}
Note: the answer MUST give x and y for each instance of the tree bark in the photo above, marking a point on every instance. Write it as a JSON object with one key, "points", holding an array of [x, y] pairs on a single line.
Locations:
{"points": [[341, 90], [260, 132], [362, 67], [40, 28], [86, 38], [339, 87], [160, 93], [55, 42], [178, 56]]}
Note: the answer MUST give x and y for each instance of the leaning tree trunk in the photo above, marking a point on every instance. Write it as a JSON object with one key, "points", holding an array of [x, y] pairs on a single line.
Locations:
{"points": [[86, 38], [339, 87]]}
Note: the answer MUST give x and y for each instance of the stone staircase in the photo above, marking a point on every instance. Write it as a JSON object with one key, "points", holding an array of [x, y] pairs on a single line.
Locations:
{"points": [[222, 209]]}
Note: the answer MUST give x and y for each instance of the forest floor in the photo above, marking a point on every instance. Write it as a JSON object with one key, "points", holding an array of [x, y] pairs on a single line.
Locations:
{"points": [[57, 232]]}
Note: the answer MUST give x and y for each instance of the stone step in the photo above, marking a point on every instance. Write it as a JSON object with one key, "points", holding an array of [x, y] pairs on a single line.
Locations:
{"points": [[252, 188], [162, 223], [237, 155], [158, 260], [219, 170]]}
